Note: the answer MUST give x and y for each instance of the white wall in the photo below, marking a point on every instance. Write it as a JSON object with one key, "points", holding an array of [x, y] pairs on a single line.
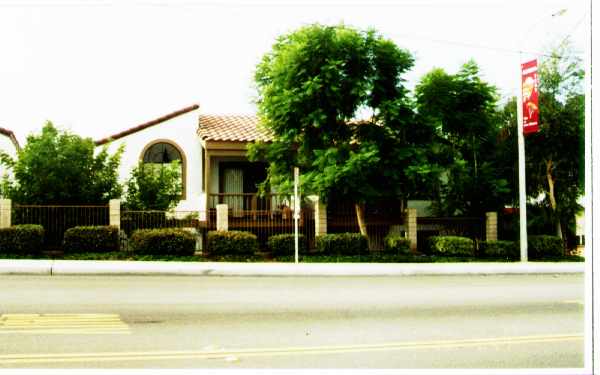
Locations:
{"points": [[7, 146], [180, 130]]}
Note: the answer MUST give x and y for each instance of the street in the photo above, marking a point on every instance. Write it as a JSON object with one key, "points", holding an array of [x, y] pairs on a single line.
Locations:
{"points": [[500, 321]]}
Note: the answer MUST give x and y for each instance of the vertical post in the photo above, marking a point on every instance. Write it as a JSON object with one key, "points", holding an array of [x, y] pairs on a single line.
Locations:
{"points": [[320, 216], [411, 228], [296, 212], [521, 150], [5, 213], [114, 213], [222, 217], [491, 226]]}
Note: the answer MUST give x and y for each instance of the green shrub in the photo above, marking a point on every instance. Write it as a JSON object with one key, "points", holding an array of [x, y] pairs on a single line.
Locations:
{"points": [[342, 244], [396, 244], [22, 239], [166, 241], [91, 239], [540, 246], [500, 249], [283, 244], [451, 246], [231, 243]]}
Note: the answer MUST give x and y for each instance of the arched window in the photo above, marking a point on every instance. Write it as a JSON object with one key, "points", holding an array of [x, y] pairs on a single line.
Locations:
{"points": [[164, 152]]}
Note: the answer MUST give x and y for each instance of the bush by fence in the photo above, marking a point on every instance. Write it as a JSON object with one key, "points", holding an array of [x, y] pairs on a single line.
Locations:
{"points": [[283, 244], [396, 244], [91, 239], [342, 244], [231, 243], [451, 246], [540, 246], [26, 239], [500, 249], [168, 241]]}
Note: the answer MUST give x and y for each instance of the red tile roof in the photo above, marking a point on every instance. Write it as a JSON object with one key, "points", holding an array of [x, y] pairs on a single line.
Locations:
{"points": [[11, 135], [236, 128], [147, 124]]}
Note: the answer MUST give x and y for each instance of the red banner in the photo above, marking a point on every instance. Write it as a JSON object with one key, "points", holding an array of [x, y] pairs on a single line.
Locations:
{"points": [[529, 90]]}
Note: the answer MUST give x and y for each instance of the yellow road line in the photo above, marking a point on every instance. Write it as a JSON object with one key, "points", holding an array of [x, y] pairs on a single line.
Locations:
{"points": [[255, 352], [62, 324]]}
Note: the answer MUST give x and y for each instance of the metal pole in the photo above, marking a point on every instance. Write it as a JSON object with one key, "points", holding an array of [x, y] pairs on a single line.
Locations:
{"points": [[296, 212], [521, 150]]}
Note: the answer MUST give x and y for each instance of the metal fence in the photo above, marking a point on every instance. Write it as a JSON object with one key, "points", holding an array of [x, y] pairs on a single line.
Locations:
{"points": [[381, 218], [133, 220], [57, 219], [472, 227], [264, 216]]}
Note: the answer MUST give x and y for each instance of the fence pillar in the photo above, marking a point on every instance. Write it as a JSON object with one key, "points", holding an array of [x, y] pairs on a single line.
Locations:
{"points": [[114, 213], [411, 228], [320, 216], [222, 217], [491, 226], [5, 212]]}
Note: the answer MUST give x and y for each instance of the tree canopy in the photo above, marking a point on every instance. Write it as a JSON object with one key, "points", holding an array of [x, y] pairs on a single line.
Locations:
{"points": [[57, 167], [313, 87], [463, 108]]}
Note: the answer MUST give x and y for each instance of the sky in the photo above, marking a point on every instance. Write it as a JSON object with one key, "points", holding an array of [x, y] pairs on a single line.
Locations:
{"points": [[97, 67]]}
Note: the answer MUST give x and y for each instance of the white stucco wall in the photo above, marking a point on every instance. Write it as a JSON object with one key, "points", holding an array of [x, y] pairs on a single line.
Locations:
{"points": [[7, 146], [180, 130]]}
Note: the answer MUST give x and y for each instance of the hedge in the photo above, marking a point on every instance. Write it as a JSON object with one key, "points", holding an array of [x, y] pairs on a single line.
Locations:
{"points": [[166, 241], [91, 239], [26, 239], [396, 244], [500, 249], [451, 246], [284, 244], [540, 246], [231, 243], [342, 244]]}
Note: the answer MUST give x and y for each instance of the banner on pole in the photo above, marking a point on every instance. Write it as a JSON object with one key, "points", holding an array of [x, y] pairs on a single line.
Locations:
{"points": [[529, 90]]}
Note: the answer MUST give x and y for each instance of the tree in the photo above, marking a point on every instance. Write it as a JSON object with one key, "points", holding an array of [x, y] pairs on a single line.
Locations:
{"points": [[555, 154], [312, 86], [57, 167], [463, 109], [153, 186]]}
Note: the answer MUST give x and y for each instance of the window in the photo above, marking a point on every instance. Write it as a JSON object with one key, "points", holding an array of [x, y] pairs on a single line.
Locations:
{"points": [[164, 152]]}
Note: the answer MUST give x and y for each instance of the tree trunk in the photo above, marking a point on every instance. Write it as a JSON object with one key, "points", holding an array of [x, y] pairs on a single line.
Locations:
{"points": [[552, 197], [360, 217]]}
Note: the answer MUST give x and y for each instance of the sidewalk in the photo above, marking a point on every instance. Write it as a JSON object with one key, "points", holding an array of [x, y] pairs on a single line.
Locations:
{"points": [[89, 267]]}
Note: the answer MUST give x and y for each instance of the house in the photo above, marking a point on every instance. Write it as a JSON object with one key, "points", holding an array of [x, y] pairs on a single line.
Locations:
{"points": [[212, 152], [8, 144]]}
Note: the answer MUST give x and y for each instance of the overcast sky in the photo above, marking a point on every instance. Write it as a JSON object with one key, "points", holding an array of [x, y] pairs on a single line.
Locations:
{"points": [[97, 67]]}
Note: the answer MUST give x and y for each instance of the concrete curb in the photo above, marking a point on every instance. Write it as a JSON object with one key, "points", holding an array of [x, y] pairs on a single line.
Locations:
{"points": [[83, 267]]}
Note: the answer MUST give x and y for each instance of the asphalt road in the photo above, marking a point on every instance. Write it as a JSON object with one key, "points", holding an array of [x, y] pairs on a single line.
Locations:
{"points": [[517, 321]]}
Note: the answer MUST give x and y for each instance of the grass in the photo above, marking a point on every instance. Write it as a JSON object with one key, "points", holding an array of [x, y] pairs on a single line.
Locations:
{"points": [[366, 258]]}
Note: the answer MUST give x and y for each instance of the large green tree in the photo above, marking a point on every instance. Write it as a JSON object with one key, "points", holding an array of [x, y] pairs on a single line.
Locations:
{"points": [[555, 154], [463, 108], [312, 86], [57, 167]]}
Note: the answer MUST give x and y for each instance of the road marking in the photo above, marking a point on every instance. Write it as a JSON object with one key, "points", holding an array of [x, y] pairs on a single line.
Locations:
{"points": [[8, 359], [62, 324]]}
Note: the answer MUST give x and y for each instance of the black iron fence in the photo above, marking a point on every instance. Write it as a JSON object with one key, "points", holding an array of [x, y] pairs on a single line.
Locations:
{"points": [[57, 219], [472, 227], [264, 216]]}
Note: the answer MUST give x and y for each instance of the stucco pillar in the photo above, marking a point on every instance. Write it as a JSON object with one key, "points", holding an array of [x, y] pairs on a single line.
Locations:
{"points": [[491, 226], [222, 217], [320, 210], [114, 213], [411, 228], [5, 213]]}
